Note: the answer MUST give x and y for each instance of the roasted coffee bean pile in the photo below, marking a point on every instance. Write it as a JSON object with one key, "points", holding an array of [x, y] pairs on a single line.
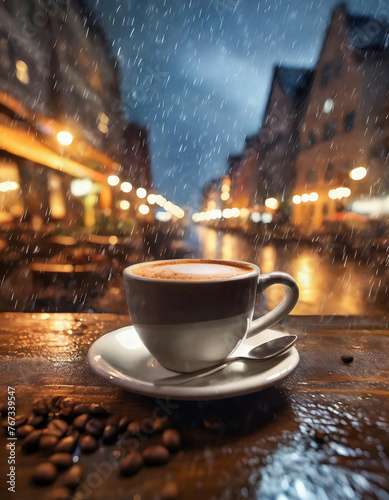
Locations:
{"points": [[62, 428]]}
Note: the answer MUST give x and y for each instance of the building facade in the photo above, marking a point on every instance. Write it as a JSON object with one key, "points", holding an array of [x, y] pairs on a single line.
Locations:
{"points": [[62, 127], [345, 126], [265, 169]]}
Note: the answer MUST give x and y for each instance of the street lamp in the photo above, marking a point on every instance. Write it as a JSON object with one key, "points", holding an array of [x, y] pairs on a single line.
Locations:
{"points": [[64, 138]]}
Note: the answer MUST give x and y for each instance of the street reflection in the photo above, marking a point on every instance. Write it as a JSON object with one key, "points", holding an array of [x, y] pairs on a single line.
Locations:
{"points": [[328, 285]]}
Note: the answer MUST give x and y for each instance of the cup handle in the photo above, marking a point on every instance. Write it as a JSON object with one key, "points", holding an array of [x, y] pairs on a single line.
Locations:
{"points": [[284, 307]]}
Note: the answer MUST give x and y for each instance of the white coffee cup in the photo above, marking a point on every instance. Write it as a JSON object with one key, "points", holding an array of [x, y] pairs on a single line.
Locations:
{"points": [[193, 321]]}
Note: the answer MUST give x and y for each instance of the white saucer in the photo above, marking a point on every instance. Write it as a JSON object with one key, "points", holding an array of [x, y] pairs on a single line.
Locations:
{"points": [[121, 358]]}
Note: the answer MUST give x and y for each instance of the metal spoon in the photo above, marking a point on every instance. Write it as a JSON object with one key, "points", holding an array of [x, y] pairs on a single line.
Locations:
{"points": [[262, 352]]}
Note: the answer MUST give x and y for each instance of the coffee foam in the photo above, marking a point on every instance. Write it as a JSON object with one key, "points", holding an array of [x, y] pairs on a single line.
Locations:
{"points": [[191, 270]]}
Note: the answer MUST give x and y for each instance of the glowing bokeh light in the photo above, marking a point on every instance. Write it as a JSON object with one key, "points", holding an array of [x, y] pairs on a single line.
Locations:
{"points": [[358, 173], [272, 203], [124, 204], [113, 180], [126, 187], [141, 193], [144, 209], [64, 138]]}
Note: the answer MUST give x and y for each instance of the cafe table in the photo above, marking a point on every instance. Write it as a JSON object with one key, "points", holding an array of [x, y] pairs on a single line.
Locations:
{"points": [[321, 433]]}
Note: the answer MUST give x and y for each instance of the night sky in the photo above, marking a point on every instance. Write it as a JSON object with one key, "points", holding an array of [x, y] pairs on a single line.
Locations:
{"points": [[198, 73]]}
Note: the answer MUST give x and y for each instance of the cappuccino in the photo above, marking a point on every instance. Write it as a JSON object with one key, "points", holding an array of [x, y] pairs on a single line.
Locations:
{"points": [[191, 270]]}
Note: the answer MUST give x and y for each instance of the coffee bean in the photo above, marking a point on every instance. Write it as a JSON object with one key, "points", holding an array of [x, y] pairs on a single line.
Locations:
{"points": [[133, 428], [37, 421], [347, 359], [73, 477], [24, 430], [20, 420], [161, 424], [31, 442], [88, 443], [61, 460], [45, 473], [65, 445], [171, 439], [156, 455], [110, 434], [81, 409], [123, 422], [113, 420], [80, 421], [57, 427], [94, 427], [169, 491], [58, 493], [40, 408], [47, 443], [73, 432], [98, 411], [131, 463]]}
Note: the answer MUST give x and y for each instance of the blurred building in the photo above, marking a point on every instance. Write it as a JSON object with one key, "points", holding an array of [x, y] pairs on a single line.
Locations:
{"points": [[265, 169], [278, 137], [136, 165], [343, 150], [62, 126]]}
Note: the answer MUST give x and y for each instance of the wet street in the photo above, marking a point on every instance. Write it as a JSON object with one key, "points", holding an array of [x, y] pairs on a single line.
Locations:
{"points": [[328, 284]]}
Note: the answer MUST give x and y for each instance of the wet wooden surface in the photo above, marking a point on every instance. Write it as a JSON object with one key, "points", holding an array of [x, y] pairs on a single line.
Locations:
{"points": [[261, 445]]}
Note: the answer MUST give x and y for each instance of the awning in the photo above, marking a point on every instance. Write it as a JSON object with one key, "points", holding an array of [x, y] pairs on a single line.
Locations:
{"points": [[26, 145]]}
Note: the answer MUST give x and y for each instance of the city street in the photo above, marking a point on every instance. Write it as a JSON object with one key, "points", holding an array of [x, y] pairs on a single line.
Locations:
{"points": [[328, 284]]}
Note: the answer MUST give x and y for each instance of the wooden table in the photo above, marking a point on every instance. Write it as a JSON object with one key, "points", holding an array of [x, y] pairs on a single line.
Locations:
{"points": [[258, 446]]}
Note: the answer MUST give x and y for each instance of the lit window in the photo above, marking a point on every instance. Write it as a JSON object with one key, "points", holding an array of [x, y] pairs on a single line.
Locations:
{"points": [[103, 121], [328, 106], [22, 72]]}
